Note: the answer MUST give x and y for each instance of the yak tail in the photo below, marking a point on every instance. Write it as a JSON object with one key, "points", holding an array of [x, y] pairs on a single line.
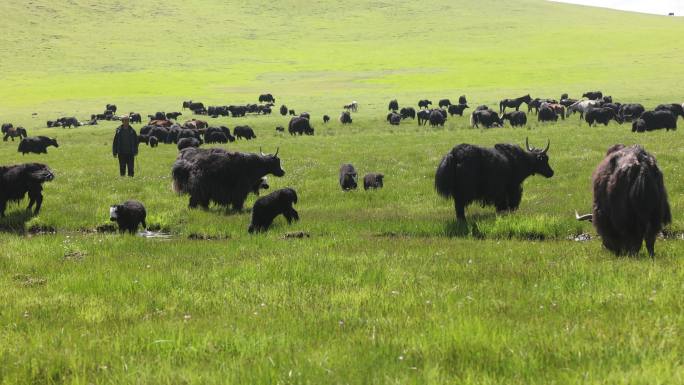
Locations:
{"points": [[472, 119], [443, 177], [181, 176], [649, 190]]}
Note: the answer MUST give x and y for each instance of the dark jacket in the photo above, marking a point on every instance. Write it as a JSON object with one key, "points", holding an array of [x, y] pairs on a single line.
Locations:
{"points": [[125, 141]]}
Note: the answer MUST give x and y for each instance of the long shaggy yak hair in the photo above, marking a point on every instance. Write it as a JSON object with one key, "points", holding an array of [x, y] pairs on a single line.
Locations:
{"points": [[219, 176], [17, 180], [267, 208]]}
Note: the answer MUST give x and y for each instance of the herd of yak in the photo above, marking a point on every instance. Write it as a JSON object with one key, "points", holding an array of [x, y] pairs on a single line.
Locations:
{"points": [[630, 204]]}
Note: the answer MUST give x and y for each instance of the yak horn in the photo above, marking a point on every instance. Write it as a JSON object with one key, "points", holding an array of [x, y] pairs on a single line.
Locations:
{"points": [[277, 150], [585, 217], [261, 151], [527, 144], [548, 144]]}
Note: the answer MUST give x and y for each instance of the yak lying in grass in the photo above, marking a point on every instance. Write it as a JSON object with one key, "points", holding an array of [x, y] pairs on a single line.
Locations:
{"points": [[17, 180], [220, 176], [372, 181], [491, 176], [630, 200], [267, 208], [36, 145], [128, 215]]}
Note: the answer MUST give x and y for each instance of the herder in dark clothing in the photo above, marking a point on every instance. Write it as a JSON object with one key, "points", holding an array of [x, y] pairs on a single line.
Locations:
{"points": [[125, 146]]}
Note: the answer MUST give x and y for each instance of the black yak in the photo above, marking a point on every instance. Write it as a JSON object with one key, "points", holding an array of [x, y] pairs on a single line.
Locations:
{"points": [[444, 103], [630, 201], [326, 119], [393, 118], [173, 115], [17, 180], [245, 132], [267, 208], [215, 137], [13, 132], [128, 215], [491, 176], [219, 176], [437, 117], [280, 129], [305, 115], [675, 108], [424, 103], [345, 117], [36, 145], [630, 111], [153, 141], [601, 115], [300, 125], [111, 108], [292, 112], [457, 109], [462, 100], [423, 117], [655, 120], [372, 181], [547, 114], [348, 177], [595, 95], [188, 142], [393, 105], [268, 98], [407, 112], [487, 118], [516, 118]]}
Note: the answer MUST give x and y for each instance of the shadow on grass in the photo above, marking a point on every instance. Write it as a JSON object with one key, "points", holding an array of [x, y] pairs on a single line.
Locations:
{"points": [[15, 222]]}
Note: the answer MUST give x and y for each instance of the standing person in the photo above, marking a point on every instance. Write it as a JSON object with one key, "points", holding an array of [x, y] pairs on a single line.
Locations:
{"points": [[125, 146]]}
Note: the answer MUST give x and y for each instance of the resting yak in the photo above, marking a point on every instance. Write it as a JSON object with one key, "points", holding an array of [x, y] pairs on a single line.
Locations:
{"points": [[17, 180], [36, 145], [219, 176], [491, 176], [630, 200]]}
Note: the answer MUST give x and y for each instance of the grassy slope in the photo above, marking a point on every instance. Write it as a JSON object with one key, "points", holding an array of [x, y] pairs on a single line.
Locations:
{"points": [[383, 291]]}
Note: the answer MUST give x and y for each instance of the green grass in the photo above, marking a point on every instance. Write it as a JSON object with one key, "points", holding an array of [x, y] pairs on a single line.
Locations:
{"points": [[388, 288]]}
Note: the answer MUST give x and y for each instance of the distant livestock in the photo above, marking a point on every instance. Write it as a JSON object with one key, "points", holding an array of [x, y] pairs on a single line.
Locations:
{"points": [[407, 112], [457, 109], [266, 98], [244, 132], [36, 145], [655, 120], [300, 125], [283, 110], [292, 112], [393, 105], [444, 103], [393, 118], [437, 117], [345, 117], [326, 119], [601, 115], [491, 176], [13, 132], [487, 118], [514, 103], [547, 114], [424, 103], [188, 142], [348, 177], [462, 100], [594, 95], [630, 201], [582, 107], [267, 208], [675, 108], [373, 181], [423, 117], [222, 177], [353, 106], [516, 118], [18, 180], [630, 111], [128, 215]]}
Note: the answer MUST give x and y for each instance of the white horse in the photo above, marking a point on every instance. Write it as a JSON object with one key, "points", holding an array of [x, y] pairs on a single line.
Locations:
{"points": [[582, 107]]}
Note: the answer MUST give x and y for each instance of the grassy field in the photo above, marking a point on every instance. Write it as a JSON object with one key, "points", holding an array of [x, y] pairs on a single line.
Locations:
{"points": [[387, 288]]}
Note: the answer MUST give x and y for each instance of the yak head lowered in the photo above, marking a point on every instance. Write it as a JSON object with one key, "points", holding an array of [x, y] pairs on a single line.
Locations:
{"points": [[273, 163], [540, 161]]}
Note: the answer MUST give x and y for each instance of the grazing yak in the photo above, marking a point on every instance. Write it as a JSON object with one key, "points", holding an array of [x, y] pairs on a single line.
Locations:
{"points": [[245, 132], [266, 98], [345, 117], [372, 181], [424, 103], [630, 201], [305, 115], [393, 105], [280, 129], [13, 132], [173, 115], [407, 112], [516, 118], [111, 108], [222, 177], [437, 117], [135, 117], [326, 119], [547, 114], [444, 103], [348, 177], [487, 118], [655, 120], [36, 145], [188, 142], [595, 95], [630, 111], [17, 180], [491, 176], [218, 135], [675, 108], [393, 118], [128, 215], [457, 109], [267, 208], [292, 112], [423, 117], [462, 100], [300, 125], [601, 115]]}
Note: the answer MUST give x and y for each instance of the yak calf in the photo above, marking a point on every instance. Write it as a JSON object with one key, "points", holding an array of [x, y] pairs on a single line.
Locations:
{"points": [[267, 208]]}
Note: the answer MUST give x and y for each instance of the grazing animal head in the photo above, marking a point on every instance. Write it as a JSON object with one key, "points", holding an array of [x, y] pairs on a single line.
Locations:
{"points": [[114, 212], [53, 142], [540, 163], [273, 163]]}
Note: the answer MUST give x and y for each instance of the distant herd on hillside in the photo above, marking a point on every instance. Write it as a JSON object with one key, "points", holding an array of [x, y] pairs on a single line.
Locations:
{"points": [[630, 202]]}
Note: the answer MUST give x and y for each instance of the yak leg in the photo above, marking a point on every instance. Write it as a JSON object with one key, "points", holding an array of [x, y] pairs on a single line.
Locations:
{"points": [[460, 210], [37, 197], [4, 138], [3, 206], [291, 215], [238, 200]]}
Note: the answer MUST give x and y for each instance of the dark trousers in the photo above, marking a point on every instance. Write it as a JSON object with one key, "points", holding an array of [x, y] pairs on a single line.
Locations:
{"points": [[126, 160]]}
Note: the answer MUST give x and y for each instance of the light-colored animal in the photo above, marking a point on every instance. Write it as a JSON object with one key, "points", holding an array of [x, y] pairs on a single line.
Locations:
{"points": [[582, 107]]}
